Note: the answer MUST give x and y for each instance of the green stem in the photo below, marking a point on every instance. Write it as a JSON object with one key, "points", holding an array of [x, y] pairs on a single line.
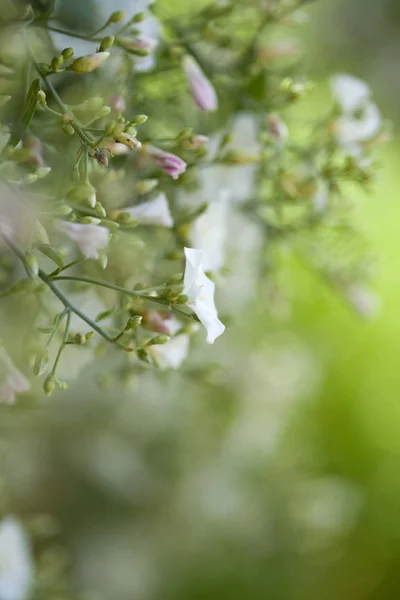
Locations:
{"points": [[63, 343]]}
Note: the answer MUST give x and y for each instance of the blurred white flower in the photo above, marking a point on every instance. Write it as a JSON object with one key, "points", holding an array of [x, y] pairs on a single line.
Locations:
{"points": [[155, 212], [210, 232], [16, 569], [90, 238], [172, 354], [360, 120], [12, 381], [200, 290]]}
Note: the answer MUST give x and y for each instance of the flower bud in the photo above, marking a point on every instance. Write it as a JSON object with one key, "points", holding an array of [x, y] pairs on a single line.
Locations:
{"points": [[29, 178], [128, 140], [42, 172], [139, 17], [80, 339], [106, 43], [133, 322], [67, 53], [41, 97], [49, 385], [87, 64], [182, 299], [146, 185], [117, 16], [57, 62], [100, 210], [68, 129], [86, 193], [123, 217], [43, 69], [158, 340], [140, 119], [202, 91]]}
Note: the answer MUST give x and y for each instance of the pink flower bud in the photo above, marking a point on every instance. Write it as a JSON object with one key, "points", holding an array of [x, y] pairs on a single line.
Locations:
{"points": [[170, 163], [200, 87]]}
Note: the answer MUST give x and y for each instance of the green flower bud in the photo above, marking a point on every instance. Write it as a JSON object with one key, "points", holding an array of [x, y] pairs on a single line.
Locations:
{"points": [[117, 16], [85, 193], [123, 217], [57, 62], [64, 210], [146, 185], [87, 64], [68, 129], [143, 355], [41, 97], [67, 53], [80, 339], [44, 69], [100, 210], [139, 17], [32, 264], [106, 42], [182, 299], [176, 278], [40, 364], [133, 322], [140, 119], [111, 225], [49, 385], [158, 340], [103, 112], [87, 220], [42, 172], [89, 335]]}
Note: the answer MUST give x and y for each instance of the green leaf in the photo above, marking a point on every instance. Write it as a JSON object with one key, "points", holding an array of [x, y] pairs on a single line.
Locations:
{"points": [[27, 113], [51, 253]]}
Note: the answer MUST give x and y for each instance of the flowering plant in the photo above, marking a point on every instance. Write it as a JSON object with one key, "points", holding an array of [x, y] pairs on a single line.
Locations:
{"points": [[142, 153]]}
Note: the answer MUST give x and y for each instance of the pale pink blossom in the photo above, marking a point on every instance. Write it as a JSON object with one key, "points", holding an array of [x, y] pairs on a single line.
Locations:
{"points": [[200, 86]]}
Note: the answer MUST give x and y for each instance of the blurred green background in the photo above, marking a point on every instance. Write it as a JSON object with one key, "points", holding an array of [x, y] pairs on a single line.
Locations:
{"points": [[278, 478]]}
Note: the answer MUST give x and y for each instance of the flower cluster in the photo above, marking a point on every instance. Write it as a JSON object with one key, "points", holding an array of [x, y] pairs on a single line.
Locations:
{"points": [[164, 184]]}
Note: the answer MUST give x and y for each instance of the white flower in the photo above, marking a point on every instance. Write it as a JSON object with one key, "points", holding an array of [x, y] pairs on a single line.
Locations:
{"points": [[172, 354], [89, 238], [200, 290], [16, 570], [155, 212], [210, 232], [360, 120], [12, 381]]}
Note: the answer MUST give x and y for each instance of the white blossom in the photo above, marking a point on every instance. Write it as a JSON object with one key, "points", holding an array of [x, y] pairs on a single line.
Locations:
{"points": [[155, 212], [360, 120], [200, 291], [172, 354], [16, 569], [90, 238], [12, 381], [210, 232]]}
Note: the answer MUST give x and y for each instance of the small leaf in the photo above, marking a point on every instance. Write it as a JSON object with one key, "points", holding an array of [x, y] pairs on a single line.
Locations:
{"points": [[27, 113], [51, 253]]}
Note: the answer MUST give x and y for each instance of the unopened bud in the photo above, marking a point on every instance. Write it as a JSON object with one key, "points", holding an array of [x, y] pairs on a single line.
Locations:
{"points": [[158, 340], [87, 64], [128, 140], [100, 210], [29, 179], [106, 42], [43, 69], [57, 62], [49, 385], [80, 339], [140, 119], [123, 217], [116, 16], [133, 322], [182, 299], [139, 17], [146, 185], [42, 172], [68, 129], [41, 97], [67, 53]]}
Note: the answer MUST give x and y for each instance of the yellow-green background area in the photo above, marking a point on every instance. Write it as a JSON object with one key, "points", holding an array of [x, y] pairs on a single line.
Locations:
{"points": [[177, 491]]}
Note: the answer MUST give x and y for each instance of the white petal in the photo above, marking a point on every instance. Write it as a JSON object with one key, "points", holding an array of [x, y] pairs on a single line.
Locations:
{"points": [[12, 380], [200, 290], [350, 130], [350, 92], [90, 238], [155, 212], [16, 570], [172, 354]]}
